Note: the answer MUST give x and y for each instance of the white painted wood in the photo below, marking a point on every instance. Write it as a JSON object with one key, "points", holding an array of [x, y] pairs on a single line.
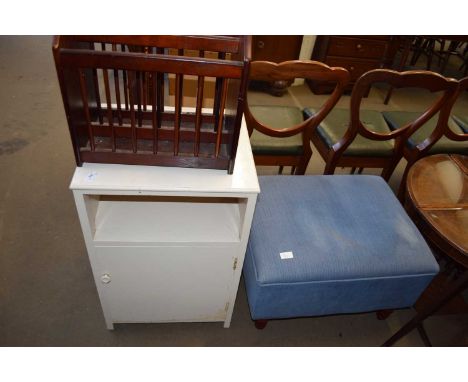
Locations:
{"points": [[87, 229], [155, 179], [248, 216], [163, 221], [167, 244], [163, 284]]}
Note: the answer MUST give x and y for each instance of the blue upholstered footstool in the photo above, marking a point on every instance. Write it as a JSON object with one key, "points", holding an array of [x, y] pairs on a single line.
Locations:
{"points": [[332, 244]]}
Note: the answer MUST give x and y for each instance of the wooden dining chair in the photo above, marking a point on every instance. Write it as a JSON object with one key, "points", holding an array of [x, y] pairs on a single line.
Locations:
{"points": [[426, 45], [406, 43], [362, 138], [440, 135], [278, 134]]}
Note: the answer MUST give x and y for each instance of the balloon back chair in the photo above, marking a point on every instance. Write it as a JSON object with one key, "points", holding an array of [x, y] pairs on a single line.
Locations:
{"points": [[443, 135], [278, 134], [363, 138]]}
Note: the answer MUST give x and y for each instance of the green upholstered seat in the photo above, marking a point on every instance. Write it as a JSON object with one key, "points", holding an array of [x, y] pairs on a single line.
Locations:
{"points": [[334, 126], [276, 117], [462, 121], [395, 119]]}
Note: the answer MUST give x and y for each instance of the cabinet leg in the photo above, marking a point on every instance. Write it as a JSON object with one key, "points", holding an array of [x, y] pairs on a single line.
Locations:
{"points": [[260, 324], [109, 325]]}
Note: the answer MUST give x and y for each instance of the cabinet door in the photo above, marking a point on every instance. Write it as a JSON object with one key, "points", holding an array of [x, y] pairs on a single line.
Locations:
{"points": [[163, 284]]}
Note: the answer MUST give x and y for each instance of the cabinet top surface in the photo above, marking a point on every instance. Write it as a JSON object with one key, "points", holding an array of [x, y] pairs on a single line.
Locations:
{"points": [[97, 177]]}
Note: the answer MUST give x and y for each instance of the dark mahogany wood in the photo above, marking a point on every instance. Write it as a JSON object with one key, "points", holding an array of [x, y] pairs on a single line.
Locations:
{"points": [[289, 70], [261, 324], [225, 44], [198, 115], [383, 314], [84, 95], [128, 120], [336, 156], [357, 54], [276, 48], [412, 154], [436, 203]]}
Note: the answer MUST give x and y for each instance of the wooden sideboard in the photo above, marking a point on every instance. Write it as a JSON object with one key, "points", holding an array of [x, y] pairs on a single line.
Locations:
{"points": [[357, 54], [275, 49]]}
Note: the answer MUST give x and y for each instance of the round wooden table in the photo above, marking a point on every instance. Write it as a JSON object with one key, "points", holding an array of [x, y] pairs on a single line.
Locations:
{"points": [[437, 201]]}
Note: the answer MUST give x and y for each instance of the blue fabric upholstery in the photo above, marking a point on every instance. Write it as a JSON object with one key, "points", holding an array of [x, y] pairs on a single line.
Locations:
{"points": [[354, 248]]}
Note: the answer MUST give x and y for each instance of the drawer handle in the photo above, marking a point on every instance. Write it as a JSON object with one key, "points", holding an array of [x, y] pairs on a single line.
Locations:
{"points": [[261, 44], [351, 68], [359, 46], [105, 278]]}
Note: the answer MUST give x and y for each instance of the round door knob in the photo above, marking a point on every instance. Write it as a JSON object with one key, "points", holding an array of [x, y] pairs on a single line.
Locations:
{"points": [[105, 278], [359, 46], [261, 44]]}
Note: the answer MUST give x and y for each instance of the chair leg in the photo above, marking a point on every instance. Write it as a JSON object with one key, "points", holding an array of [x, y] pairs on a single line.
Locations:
{"points": [[353, 170], [360, 170], [423, 334], [449, 292], [442, 48], [280, 171], [402, 187], [430, 53], [404, 58], [420, 46], [304, 162], [388, 96], [388, 171], [260, 324], [293, 169], [330, 167]]}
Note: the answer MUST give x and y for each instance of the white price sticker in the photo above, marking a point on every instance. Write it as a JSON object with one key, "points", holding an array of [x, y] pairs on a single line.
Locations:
{"points": [[286, 255]]}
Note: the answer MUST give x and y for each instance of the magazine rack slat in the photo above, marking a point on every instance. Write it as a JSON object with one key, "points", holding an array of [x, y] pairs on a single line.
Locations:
{"points": [[115, 91]]}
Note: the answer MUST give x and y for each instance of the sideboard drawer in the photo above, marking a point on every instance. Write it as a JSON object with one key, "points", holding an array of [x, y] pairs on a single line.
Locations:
{"points": [[357, 54], [356, 47], [355, 67]]}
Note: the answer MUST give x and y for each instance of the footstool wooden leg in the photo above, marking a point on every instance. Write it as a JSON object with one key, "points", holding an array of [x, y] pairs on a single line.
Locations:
{"points": [[383, 314], [260, 324]]}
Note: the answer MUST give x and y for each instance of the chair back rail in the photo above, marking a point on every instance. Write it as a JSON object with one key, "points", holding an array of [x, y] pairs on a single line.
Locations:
{"points": [[290, 70], [335, 154], [430, 81], [442, 129], [299, 157]]}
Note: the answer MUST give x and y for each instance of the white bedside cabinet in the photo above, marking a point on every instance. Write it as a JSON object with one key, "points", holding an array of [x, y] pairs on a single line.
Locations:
{"points": [[167, 244]]}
